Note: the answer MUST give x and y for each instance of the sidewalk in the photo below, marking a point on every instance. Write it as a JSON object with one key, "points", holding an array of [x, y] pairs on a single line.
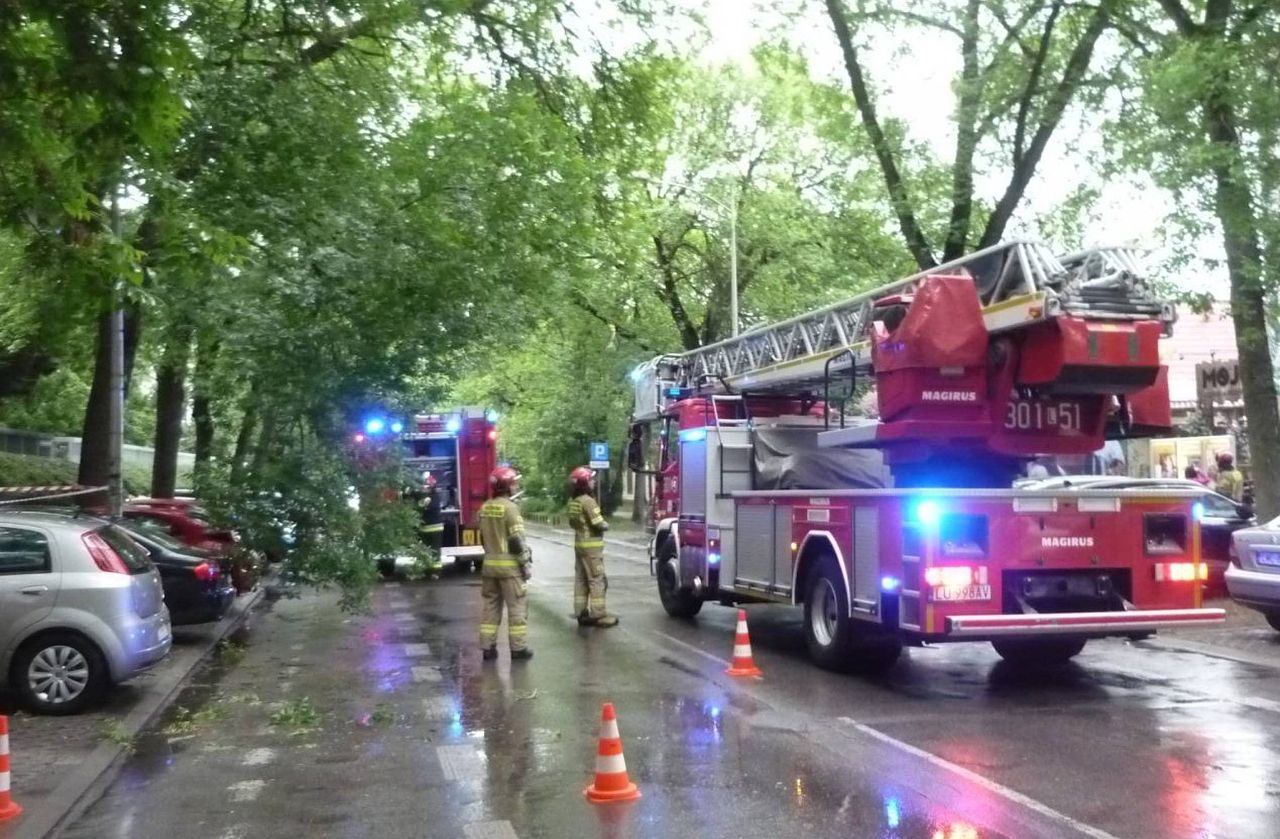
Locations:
{"points": [[60, 764]]}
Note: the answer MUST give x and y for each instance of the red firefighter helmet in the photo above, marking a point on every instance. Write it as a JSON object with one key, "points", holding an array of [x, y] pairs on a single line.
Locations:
{"points": [[502, 479], [581, 477], [428, 480]]}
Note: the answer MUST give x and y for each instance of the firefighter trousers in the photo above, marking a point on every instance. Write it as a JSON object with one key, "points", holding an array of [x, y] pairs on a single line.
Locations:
{"points": [[512, 592], [590, 583]]}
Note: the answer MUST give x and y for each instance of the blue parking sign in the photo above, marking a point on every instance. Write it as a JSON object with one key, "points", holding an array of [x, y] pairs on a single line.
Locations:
{"points": [[599, 455]]}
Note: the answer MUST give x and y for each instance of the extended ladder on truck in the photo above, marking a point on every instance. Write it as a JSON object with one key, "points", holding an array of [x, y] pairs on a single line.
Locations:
{"points": [[1018, 283]]}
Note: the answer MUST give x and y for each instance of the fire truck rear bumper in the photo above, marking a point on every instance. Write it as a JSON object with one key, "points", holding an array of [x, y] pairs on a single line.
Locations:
{"points": [[1079, 623]]}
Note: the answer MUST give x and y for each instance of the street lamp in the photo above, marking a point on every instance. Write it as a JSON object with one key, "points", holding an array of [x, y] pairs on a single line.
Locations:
{"points": [[732, 210]]}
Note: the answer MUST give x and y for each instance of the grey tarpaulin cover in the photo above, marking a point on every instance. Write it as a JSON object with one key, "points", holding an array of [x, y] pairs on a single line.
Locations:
{"points": [[789, 458]]}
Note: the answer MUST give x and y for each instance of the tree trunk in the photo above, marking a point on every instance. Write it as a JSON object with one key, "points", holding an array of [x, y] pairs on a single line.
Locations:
{"points": [[202, 402], [171, 394], [1241, 240], [640, 499], [248, 424], [95, 441]]}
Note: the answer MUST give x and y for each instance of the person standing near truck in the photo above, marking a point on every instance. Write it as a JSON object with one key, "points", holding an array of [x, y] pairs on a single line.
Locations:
{"points": [[589, 526], [508, 564]]}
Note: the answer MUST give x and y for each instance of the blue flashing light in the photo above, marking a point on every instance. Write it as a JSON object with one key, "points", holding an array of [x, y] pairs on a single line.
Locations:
{"points": [[674, 392], [928, 512], [888, 583], [637, 374], [492, 416], [397, 427], [892, 813], [1197, 511], [693, 435], [453, 426], [374, 426], [713, 559], [714, 711]]}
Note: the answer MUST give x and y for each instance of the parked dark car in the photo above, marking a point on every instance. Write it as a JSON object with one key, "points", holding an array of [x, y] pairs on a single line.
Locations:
{"points": [[195, 589]]}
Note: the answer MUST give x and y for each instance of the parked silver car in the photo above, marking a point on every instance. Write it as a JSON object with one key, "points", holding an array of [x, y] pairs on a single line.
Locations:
{"points": [[1253, 579], [81, 608]]}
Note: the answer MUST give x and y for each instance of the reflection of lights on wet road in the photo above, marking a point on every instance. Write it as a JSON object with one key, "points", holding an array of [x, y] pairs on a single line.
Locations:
{"points": [[799, 790], [892, 812], [957, 830]]}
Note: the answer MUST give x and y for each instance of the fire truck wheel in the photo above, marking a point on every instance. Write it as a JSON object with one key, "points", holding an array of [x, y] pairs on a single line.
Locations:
{"points": [[1045, 651], [828, 628], [679, 602]]}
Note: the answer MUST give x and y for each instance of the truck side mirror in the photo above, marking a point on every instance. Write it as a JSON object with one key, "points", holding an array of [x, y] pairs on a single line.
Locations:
{"points": [[635, 452]]}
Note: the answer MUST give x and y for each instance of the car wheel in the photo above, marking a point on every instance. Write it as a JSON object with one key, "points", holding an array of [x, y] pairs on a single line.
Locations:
{"points": [[59, 674], [1042, 652], [679, 602], [1274, 620]]}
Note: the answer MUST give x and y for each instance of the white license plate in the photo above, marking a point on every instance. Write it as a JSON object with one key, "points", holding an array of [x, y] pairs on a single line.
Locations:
{"points": [[1269, 558], [947, 594]]}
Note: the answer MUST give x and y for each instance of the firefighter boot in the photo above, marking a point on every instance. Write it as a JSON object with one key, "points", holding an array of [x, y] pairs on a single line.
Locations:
{"points": [[606, 621], [521, 655], [489, 653]]}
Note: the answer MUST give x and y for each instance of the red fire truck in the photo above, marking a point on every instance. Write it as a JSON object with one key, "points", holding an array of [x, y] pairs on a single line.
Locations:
{"points": [[900, 521], [458, 447]]}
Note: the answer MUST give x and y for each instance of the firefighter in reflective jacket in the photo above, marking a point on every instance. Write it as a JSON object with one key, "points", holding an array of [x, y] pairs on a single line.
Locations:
{"points": [[508, 563], [590, 582], [431, 526]]}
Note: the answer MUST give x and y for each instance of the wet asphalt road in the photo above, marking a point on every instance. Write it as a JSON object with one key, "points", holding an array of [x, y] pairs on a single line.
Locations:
{"points": [[390, 725]]}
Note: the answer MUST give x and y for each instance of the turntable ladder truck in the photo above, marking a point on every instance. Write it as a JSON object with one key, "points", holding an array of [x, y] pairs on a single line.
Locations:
{"points": [[906, 524]]}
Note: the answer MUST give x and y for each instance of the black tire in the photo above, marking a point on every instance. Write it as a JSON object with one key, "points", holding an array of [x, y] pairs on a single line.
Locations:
{"points": [[85, 673], [1043, 652], [837, 641], [679, 602], [1274, 620]]}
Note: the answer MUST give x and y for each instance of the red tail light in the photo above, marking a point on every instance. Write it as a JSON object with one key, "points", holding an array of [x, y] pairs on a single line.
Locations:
{"points": [[205, 571], [103, 556]]}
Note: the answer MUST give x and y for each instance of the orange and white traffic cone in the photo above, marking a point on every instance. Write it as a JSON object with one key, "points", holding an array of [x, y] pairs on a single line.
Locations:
{"points": [[9, 809], [611, 783], [743, 664]]}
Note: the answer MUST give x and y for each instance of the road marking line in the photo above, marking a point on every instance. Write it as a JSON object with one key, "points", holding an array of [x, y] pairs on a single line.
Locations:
{"points": [[437, 707], [691, 648], [986, 783], [426, 674], [391, 585], [460, 763], [296, 647], [404, 617], [259, 757], [242, 791], [1258, 703], [417, 649], [489, 830]]}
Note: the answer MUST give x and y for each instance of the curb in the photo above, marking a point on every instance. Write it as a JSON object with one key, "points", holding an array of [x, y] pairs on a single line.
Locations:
{"points": [[90, 780]]}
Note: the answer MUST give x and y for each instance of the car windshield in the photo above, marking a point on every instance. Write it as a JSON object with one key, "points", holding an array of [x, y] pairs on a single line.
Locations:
{"points": [[135, 558]]}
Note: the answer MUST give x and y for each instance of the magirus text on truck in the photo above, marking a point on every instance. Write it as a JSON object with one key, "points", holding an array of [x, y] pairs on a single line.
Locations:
{"points": [[861, 461]]}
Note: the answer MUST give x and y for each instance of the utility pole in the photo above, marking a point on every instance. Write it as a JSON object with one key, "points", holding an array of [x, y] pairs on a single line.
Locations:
{"points": [[116, 439]]}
